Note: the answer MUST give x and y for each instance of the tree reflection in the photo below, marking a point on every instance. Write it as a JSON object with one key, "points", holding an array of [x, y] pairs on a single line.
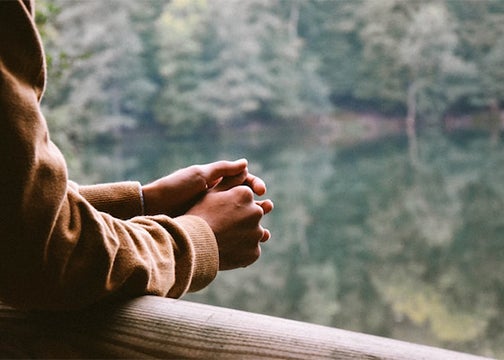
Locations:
{"points": [[361, 239]]}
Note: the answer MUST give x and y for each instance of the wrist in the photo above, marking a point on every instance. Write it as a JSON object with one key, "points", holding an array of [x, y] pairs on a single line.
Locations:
{"points": [[142, 198], [149, 199]]}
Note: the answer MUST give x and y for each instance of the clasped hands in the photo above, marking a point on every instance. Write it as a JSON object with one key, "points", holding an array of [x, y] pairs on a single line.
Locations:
{"points": [[221, 193]]}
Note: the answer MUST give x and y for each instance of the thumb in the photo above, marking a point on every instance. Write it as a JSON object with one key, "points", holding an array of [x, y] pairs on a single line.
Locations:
{"points": [[216, 171], [230, 182]]}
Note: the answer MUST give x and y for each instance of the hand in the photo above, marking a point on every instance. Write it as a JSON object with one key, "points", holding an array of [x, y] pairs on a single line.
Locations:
{"points": [[174, 194], [234, 217]]}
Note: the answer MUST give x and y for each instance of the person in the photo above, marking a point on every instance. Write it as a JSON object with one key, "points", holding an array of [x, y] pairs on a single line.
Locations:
{"points": [[64, 246]]}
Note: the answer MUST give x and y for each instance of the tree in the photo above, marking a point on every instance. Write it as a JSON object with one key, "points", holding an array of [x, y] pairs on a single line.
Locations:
{"points": [[97, 84], [326, 28], [409, 54], [481, 35], [230, 61]]}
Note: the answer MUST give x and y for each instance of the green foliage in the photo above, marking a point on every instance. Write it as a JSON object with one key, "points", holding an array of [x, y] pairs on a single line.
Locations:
{"points": [[97, 84], [480, 32], [191, 64], [410, 44], [229, 61], [177, 36], [326, 28]]}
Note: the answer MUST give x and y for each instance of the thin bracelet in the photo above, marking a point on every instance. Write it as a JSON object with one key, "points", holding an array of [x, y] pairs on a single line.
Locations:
{"points": [[142, 203]]}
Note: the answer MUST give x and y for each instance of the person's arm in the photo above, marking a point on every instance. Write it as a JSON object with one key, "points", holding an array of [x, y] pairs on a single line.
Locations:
{"points": [[123, 200], [56, 250], [171, 195]]}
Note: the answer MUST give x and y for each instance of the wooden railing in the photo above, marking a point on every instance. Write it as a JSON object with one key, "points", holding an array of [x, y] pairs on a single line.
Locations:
{"points": [[153, 327]]}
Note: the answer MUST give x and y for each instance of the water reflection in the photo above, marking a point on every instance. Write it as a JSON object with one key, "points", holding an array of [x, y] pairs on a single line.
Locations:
{"points": [[361, 239]]}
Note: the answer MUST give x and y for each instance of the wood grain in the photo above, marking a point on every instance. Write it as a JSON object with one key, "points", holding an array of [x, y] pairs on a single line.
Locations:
{"points": [[154, 327]]}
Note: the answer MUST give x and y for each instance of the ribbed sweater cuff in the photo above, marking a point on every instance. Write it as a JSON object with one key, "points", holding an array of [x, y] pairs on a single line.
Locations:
{"points": [[122, 200], [206, 252]]}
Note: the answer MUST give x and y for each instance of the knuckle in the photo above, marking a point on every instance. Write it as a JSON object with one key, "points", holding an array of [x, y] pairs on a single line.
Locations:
{"points": [[245, 193], [257, 213], [257, 235], [256, 253], [198, 170], [198, 173]]}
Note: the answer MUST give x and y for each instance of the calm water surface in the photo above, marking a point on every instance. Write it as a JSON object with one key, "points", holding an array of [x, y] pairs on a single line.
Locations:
{"points": [[362, 240]]}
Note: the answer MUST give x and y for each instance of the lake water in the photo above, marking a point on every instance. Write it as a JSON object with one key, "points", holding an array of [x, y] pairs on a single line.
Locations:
{"points": [[361, 239]]}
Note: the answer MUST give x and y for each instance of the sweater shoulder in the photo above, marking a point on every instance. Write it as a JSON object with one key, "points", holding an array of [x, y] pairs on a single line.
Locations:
{"points": [[21, 51]]}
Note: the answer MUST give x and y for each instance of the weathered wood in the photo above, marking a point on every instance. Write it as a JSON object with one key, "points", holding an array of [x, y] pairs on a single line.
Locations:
{"points": [[153, 327]]}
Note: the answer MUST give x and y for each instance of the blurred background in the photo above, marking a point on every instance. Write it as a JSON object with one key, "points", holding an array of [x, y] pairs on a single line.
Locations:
{"points": [[375, 123]]}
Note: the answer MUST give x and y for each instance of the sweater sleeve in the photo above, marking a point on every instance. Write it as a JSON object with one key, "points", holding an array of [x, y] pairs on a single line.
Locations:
{"points": [[57, 251], [122, 200]]}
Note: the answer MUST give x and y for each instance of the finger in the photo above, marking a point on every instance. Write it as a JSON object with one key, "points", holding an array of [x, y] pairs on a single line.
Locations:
{"points": [[214, 172], [266, 235], [231, 181], [266, 205], [256, 184]]}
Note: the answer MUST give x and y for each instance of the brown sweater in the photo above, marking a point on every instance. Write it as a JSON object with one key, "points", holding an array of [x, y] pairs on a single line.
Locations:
{"points": [[63, 246]]}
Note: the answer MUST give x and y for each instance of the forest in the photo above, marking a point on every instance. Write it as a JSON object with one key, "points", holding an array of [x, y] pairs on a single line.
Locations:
{"points": [[376, 124], [193, 65]]}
